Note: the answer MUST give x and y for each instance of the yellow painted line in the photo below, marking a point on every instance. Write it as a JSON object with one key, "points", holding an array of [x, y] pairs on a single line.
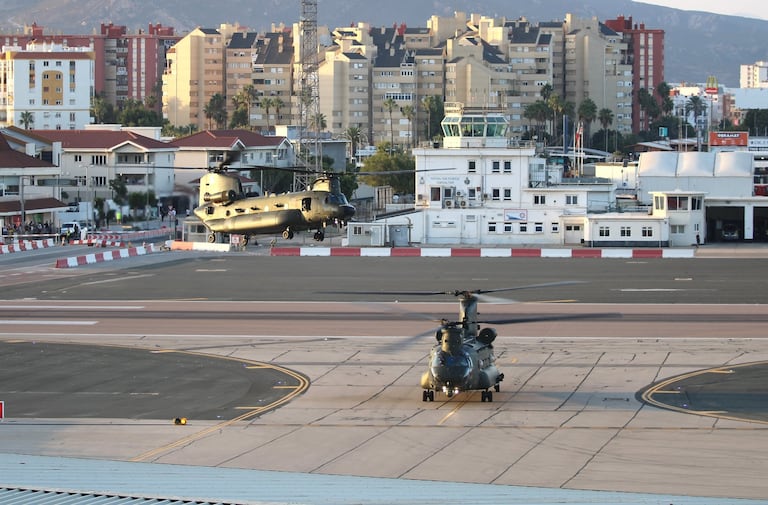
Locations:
{"points": [[666, 392], [163, 351], [721, 371], [256, 367], [285, 387], [192, 437]]}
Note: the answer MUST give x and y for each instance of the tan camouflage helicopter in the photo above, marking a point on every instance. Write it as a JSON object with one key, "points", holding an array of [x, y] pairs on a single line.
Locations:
{"points": [[224, 208]]}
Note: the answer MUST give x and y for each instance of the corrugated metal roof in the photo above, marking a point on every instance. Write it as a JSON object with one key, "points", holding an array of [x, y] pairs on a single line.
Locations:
{"points": [[16, 496], [100, 482]]}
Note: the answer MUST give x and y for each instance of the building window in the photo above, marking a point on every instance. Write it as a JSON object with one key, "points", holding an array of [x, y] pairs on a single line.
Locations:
{"points": [[626, 231], [507, 194], [604, 231], [647, 231], [539, 200], [538, 227], [523, 227], [491, 227], [677, 229], [507, 167], [472, 167], [507, 227], [571, 199], [495, 167], [555, 227], [658, 202], [495, 194], [677, 202]]}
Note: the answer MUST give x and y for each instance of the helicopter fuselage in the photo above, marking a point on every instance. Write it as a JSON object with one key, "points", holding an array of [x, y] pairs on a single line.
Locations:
{"points": [[224, 209], [461, 363]]}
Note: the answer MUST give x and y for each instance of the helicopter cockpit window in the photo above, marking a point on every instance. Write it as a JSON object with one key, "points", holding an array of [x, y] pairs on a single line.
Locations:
{"points": [[337, 198], [306, 204]]}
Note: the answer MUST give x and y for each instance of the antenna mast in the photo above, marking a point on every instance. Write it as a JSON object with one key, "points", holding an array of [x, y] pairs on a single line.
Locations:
{"points": [[308, 82]]}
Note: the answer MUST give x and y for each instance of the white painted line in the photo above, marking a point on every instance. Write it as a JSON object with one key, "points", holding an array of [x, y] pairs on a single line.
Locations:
{"points": [[315, 251], [76, 307], [46, 323], [436, 252], [555, 253], [496, 252]]}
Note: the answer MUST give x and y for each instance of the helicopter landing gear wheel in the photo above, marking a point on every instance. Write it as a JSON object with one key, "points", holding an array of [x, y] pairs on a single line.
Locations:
{"points": [[211, 238], [497, 387], [319, 236], [246, 238], [486, 396], [288, 234], [427, 396]]}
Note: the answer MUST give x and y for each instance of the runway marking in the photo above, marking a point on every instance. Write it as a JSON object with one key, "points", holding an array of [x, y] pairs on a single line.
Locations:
{"points": [[721, 371], [666, 392], [47, 323], [303, 384], [650, 290], [284, 387], [75, 307], [211, 270]]}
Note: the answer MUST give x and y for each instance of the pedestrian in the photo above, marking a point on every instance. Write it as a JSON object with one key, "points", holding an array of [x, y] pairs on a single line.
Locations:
{"points": [[698, 240]]}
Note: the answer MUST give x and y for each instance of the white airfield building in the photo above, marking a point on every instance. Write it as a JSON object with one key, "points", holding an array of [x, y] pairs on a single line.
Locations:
{"points": [[481, 188]]}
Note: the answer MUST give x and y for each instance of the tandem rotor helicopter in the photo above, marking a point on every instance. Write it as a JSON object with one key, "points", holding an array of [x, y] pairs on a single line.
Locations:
{"points": [[223, 207], [463, 359]]}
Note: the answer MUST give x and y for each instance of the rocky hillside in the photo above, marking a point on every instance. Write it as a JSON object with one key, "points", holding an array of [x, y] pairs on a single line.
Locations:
{"points": [[698, 44]]}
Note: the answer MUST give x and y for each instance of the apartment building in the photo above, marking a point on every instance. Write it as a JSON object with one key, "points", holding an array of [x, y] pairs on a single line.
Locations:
{"points": [[46, 86], [194, 72], [754, 75], [597, 67], [645, 52], [127, 65]]}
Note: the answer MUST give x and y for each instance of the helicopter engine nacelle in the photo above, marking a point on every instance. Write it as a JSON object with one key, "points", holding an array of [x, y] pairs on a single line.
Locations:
{"points": [[220, 197], [486, 336]]}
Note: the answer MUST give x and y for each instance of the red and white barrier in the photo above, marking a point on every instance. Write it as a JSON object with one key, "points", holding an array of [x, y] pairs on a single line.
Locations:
{"points": [[27, 245], [115, 254], [482, 252]]}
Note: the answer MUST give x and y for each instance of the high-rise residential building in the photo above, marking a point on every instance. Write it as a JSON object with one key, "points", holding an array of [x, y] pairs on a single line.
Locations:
{"points": [[754, 75], [194, 73], [46, 86], [127, 65], [597, 67], [645, 52], [272, 77]]}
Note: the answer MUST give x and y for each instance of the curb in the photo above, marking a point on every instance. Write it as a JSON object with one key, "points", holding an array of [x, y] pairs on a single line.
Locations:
{"points": [[88, 259], [482, 252]]}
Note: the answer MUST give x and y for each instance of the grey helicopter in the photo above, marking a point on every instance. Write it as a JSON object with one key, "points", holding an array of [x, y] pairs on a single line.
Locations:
{"points": [[464, 359]]}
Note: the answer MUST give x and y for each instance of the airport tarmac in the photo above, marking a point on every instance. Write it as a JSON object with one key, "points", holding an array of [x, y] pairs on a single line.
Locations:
{"points": [[568, 416]]}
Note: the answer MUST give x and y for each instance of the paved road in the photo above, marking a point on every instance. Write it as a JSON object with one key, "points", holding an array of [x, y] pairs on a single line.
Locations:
{"points": [[567, 416]]}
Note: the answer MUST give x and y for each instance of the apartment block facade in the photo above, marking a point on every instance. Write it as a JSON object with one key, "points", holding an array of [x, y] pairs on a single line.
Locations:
{"points": [[376, 78], [46, 86]]}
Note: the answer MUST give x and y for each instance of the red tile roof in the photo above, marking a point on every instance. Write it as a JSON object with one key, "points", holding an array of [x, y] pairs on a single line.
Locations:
{"points": [[99, 139], [9, 158], [30, 204], [226, 139]]}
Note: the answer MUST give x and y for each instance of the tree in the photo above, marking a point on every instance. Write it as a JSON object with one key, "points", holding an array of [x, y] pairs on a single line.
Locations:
{"points": [[119, 191], [537, 112], [695, 105], [318, 123], [216, 110], [587, 114], [605, 116], [135, 113], [663, 90], [389, 106], [408, 113], [556, 106], [102, 111], [433, 106], [27, 119], [267, 103], [386, 161], [355, 136]]}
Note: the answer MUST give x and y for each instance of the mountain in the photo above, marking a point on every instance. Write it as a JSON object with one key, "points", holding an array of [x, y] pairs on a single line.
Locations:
{"points": [[698, 44]]}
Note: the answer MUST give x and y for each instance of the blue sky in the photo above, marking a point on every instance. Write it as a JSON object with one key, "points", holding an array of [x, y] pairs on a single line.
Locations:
{"points": [[746, 8]]}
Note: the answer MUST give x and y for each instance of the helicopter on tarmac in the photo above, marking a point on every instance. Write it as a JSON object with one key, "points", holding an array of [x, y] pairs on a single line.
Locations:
{"points": [[223, 207], [463, 359]]}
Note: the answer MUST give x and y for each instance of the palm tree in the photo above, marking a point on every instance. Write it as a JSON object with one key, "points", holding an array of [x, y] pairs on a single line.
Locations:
{"points": [[389, 106], [215, 110], [27, 119], [696, 106], [409, 113], [355, 136], [587, 114], [605, 116], [267, 103], [556, 106], [318, 123], [278, 104], [537, 112], [427, 105]]}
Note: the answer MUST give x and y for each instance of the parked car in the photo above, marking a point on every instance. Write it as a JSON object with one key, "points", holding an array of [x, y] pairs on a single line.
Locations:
{"points": [[730, 232]]}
